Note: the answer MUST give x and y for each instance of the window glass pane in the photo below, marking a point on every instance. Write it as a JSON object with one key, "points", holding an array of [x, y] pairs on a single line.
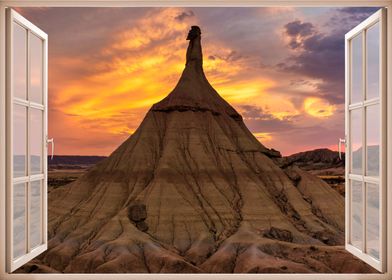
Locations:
{"points": [[373, 221], [19, 61], [356, 213], [36, 68], [356, 69], [36, 141], [373, 61], [19, 140], [35, 214], [19, 220], [356, 141], [373, 140]]}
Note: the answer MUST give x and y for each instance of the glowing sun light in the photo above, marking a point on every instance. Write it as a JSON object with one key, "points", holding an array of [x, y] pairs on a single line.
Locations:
{"points": [[318, 107]]}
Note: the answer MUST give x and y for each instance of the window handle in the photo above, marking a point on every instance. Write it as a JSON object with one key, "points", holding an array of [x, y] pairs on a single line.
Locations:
{"points": [[51, 141], [340, 146]]}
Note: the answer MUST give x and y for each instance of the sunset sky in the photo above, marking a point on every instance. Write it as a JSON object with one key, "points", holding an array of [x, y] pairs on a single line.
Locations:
{"points": [[281, 68]]}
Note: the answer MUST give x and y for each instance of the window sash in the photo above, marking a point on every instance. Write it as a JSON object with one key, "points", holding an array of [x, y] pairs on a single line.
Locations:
{"points": [[28, 178], [362, 105]]}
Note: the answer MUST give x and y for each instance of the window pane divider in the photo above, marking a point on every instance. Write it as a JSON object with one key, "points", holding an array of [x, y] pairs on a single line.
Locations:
{"points": [[37, 106], [373, 101], [19, 180], [28, 186], [367, 179], [355, 106], [36, 177], [30, 104], [25, 179], [21, 102], [366, 103], [371, 180], [364, 142]]}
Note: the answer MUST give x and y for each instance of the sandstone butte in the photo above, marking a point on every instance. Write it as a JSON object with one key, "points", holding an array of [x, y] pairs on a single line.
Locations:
{"points": [[193, 191]]}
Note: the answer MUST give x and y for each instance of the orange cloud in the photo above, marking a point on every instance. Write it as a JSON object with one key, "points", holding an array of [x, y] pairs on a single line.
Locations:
{"points": [[104, 77], [140, 66], [141, 71], [263, 136], [132, 81], [318, 107]]}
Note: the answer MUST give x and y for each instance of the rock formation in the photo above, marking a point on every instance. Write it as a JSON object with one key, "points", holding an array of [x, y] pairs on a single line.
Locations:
{"points": [[137, 213], [207, 195], [319, 159]]}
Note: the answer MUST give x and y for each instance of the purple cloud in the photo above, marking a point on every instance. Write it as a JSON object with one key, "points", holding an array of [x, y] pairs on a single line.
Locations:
{"points": [[259, 120], [297, 28], [321, 55], [184, 15]]}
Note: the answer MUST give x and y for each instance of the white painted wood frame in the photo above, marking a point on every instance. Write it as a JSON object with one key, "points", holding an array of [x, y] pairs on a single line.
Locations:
{"points": [[377, 18], [183, 3], [30, 253]]}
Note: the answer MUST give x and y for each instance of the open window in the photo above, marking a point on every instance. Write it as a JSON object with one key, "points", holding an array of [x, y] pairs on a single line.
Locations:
{"points": [[26, 140], [366, 140]]}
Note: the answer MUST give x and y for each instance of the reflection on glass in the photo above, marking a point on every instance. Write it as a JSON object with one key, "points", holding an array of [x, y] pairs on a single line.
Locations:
{"points": [[373, 61], [19, 61], [36, 68], [19, 220], [356, 141], [372, 220], [35, 214], [356, 213], [36, 141], [19, 141], [373, 140], [356, 69]]}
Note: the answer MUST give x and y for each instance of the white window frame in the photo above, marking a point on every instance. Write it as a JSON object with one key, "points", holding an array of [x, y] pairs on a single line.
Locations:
{"points": [[380, 181], [183, 3], [14, 263]]}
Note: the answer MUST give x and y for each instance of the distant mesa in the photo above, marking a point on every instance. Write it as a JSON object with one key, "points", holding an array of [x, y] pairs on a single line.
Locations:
{"points": [[325, 156], [193, 191], [74, 160]]}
